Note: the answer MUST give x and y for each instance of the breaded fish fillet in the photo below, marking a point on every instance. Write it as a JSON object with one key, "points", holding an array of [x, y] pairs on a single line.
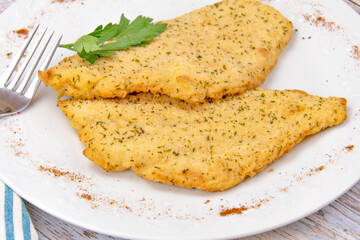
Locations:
{"points": [[211, 146], [221, 49]]}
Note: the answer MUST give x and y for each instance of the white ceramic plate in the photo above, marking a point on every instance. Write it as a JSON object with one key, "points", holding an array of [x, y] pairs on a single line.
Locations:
{"points": [[41, 156]]}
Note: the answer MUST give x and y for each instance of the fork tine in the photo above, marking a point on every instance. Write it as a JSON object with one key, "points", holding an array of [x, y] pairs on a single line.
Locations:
{"points": [[14, 83], [9, 70], [30, 71], [34, 84]]}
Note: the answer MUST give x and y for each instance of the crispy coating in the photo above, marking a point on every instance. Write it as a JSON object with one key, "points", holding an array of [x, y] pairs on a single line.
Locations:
{"points": [[221, 49], [211, 146]]}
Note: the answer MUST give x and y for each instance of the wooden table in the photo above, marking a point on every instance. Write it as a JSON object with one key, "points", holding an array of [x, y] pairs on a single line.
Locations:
{"points": [[339, 220]]}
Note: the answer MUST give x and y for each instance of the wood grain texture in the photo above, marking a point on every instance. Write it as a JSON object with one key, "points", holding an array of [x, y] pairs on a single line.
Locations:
{"points": [[339, 220]]}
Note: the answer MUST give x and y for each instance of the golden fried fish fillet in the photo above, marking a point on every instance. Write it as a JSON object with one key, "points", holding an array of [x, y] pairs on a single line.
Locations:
{"points": [[221, 49], [211, 146]]}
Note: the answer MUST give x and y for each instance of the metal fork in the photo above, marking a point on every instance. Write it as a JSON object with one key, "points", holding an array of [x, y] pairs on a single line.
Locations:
{"points": [[355, 4], [19, 82]]}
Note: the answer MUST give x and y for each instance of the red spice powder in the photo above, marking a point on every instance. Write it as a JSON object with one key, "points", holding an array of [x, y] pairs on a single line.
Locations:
{"points": [[356, 52], [258, 203], [62, 1], [86, 196], [320, 21], [23, 32], [319, 168], [349, 148], [17, 147], [239, 210], [58, 173], [242, 208], [84, 192], [312, 171], [96, 200]]}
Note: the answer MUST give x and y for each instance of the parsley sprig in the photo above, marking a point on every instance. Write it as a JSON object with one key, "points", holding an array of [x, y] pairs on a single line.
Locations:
{"points": [[104, 41]]}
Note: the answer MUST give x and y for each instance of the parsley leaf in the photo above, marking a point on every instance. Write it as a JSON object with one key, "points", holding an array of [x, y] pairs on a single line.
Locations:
{"points": [[86, 43], [104, 41]]}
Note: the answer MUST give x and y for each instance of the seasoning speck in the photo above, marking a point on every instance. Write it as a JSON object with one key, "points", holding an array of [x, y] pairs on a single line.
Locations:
{"points": [[319, 168], [238, 210], [23, 32], [86, 196], [75, 177], [349, 148], [319, 21], [356, 52]]}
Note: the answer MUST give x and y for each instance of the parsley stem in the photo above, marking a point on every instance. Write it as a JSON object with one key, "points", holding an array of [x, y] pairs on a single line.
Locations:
{"points": [[68, 46]]}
